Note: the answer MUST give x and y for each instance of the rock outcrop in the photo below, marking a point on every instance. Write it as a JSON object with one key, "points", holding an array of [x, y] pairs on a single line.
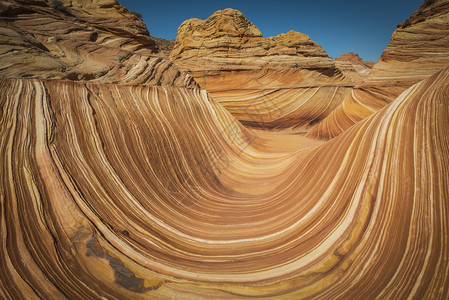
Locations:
{"points": [[166, 46], [419, 47], [355, 59], [250, 75], [226, 48], [352, 61], [270, 77], [97, 41]]}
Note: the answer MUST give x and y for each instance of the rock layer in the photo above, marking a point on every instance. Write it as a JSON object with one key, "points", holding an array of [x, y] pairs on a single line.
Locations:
{"points": [[228, 56], [418, 48], [353, 62], [164, 45], [227, 41], [105, 195], [227, 47], [156, 191], [355, 59], [103, 44]]}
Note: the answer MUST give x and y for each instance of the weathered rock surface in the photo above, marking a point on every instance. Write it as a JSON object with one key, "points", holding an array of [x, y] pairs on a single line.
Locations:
{"points": [[355, 59], [155, 191], [95, 41], [113, 191], [166, 46], [228, 56], [226, 46], [418, 48], [353, 62]]}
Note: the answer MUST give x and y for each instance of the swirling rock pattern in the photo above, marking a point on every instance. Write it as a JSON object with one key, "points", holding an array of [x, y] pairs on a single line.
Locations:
{"points": [[121, 191], [418, 48], [283, 108], [361, 103], [156, 191], [228, 56], [106, 44]]}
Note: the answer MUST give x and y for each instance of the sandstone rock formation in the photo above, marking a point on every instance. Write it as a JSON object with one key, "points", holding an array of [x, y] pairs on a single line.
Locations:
{"points": [[228, 56], [151, 189], [91, 41], [166, 46], [418, 48], [250, 75], [105, 195], [227, 47], [354, 61]]}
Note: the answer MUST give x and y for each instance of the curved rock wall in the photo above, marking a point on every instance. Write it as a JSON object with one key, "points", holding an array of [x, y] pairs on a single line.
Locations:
{"points": [[132, 191], [419, 48]]}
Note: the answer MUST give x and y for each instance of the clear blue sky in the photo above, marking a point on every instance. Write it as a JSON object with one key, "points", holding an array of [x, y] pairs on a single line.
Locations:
{"points": [[363, 26]]}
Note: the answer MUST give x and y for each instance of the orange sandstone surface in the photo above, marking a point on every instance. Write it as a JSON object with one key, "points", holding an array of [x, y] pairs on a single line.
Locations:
{"points": [[419, 47], [124, 178], [275, 83]]}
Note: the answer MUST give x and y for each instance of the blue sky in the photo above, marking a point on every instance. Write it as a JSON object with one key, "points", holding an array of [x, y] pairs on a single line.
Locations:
{"points": [[363, 27]]}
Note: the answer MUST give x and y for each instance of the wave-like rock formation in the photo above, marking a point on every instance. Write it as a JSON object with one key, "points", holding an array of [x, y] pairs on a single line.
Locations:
{"points": [[154, 190], [418, 48], [288, 81], [284, 108], [136, 191], [95, 41], [360, 104]]}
